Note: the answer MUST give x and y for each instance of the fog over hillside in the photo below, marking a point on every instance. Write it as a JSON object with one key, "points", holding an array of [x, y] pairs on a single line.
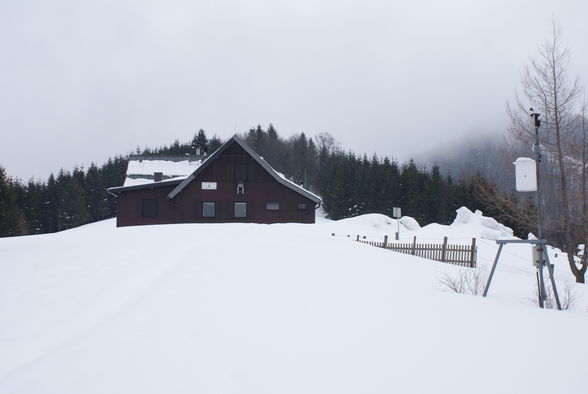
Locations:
{"points": [[463, 157]]}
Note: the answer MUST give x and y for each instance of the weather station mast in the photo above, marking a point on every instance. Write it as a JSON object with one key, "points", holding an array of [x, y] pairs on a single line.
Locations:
{"points": [[528, 179], [537, 150]]}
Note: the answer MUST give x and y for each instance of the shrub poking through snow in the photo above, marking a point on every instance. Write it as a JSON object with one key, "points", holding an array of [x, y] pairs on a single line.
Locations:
{"points": [[568, 296], [464, 281]]}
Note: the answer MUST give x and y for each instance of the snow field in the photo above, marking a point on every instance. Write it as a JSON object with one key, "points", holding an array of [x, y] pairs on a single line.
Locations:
{"points": [[245, 308]]}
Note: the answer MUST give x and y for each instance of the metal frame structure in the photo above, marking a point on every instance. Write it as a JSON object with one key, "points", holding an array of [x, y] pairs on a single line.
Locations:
{"points": [[542, 243], [542, 262]]}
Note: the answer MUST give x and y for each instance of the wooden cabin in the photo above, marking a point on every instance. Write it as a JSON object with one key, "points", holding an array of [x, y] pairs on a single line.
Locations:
{"points": [[234, 184]]}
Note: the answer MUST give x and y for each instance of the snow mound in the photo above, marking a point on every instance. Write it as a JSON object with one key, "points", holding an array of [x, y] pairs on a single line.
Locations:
{"points": [[464, 216], [410, 223], [375, 220], [380, 221], [487, 227]]}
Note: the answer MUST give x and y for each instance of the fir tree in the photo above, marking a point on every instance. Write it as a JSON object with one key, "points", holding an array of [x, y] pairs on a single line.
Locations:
{"points": [[96, 193], [33, 208], [199, 143], [10, 224], [74, 206], [214, 143], [436, 194], [51, 205], [272, 133]]}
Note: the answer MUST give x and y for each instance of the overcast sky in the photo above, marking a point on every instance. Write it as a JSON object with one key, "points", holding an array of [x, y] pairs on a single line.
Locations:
{"points": [[81, 81]]}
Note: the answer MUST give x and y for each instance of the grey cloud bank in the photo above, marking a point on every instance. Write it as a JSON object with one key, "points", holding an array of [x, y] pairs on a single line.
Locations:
{"points": [[80, 82]]}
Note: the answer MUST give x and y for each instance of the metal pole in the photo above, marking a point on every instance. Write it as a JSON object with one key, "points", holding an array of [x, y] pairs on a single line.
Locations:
{"points": [[492, 271], [398, 226], [551, 277], [536, 124], [541, 285]]}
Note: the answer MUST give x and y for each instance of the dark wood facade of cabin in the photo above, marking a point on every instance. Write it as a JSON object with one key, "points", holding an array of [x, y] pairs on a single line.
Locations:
{"points": [[232, 187]]}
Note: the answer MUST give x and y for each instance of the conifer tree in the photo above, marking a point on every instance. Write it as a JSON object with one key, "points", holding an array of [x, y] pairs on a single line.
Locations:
{"points": [[311, 164], [96, 193], [50, 205], [10, 215], [199, 142], [214, 143], [436, 194], [73, 203], [33, 208], [272, 133], [390, 188]]}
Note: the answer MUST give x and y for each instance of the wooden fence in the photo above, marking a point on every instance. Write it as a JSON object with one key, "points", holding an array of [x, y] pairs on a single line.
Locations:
{"points": [[463, 255]]}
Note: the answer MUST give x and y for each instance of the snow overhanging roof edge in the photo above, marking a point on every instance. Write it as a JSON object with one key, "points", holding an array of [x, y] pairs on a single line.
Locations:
{"points": [[147, 185]]}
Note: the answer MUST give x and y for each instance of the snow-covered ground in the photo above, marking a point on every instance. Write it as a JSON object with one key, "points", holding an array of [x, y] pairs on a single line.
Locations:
{"points": [[284, 308]]}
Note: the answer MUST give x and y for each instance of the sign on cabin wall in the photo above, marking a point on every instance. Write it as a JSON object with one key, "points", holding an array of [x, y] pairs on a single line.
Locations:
{"points": [[208, 185]]}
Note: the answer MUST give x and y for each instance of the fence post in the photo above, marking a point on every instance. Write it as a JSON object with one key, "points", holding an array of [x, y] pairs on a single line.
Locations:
{"points": [[444, 250], [414, 245], [385, 241], [473, 255], [357, 238]]}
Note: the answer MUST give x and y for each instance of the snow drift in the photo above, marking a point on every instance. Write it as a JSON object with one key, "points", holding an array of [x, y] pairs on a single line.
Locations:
{"points": [[491, 229]]}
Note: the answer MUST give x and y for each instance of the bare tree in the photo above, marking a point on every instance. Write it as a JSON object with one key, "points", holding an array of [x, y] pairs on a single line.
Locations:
{"points": [[584, 191], [546, 85], [506, 208]]}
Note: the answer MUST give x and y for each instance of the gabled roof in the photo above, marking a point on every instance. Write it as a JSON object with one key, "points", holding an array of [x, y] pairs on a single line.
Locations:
{"points": [[235, 139]]}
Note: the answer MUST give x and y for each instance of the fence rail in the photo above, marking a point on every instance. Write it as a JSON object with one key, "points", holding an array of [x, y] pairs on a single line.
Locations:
{"points": [[463, 255]]}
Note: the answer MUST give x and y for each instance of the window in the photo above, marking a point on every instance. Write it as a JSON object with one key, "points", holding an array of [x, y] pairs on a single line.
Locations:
{"points": [[240, 172], [149, 208], [301, 206], [208, 209], [240, 209], [272, 206]]}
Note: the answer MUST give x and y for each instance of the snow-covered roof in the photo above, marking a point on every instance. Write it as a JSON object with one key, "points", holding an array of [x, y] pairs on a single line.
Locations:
{"points": [[141, 169]]}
